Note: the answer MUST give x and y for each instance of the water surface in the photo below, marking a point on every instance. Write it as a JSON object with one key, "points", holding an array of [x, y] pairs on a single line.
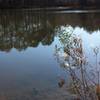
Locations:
{"points": [[28, 66]]}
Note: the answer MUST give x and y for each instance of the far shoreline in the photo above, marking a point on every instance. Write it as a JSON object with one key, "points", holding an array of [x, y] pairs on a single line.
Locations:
{"points": [[56, 9]]}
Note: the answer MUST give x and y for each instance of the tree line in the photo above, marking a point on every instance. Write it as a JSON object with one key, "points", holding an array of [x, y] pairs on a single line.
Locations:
{"points": [[47, 3]]}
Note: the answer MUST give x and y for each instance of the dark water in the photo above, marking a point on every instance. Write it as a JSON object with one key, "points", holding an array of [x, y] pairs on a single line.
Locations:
{"points": [[28, 67]]}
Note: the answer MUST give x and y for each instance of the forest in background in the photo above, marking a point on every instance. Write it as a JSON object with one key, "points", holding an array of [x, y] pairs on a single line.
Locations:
{"points": [[49, 3]]}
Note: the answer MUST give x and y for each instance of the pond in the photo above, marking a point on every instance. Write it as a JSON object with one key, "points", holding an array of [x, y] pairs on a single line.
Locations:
{"points": [[36, 48]]}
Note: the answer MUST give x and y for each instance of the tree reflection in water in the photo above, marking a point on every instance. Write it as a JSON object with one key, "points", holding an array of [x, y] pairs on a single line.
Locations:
{"points": [[21, 30], [71, 56]]}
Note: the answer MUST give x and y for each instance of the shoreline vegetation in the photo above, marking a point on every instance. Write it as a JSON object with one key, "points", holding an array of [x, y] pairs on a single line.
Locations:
{"points": [[60, 4]]}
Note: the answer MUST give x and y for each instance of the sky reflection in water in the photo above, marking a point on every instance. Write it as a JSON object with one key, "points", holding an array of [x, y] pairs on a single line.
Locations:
{"points": [[29, 63]]}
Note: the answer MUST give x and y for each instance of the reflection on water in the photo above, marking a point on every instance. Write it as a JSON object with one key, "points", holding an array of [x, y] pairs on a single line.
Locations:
{"points": [[20, 29], [28, 69], [84, 72]]}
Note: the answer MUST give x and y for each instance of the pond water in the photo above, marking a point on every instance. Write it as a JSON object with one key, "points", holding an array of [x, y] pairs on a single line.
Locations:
{"points": [[29, 69]]}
